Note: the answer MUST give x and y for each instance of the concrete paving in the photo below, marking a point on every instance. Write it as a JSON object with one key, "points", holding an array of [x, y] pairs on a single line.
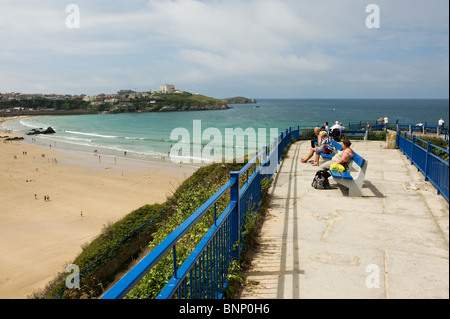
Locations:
{"points": [[320, 244]]}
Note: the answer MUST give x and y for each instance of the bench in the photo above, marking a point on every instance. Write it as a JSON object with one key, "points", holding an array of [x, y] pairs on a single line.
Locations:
{"points": [[354, 184], [357, 133]]}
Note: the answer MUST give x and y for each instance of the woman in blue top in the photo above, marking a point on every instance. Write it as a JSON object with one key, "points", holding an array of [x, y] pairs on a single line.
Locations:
{"points": [[324, 141], [325, 148]]}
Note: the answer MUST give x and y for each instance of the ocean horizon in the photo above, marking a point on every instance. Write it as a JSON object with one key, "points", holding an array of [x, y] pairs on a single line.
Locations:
{"points": [[148, 135]]}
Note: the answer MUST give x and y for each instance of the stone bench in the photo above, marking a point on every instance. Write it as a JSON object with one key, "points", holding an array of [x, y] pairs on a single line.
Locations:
{"points": [[354, 182]]}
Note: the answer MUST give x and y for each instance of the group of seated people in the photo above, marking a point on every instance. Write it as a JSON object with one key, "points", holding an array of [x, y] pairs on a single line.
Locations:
{"points": [[322, 145], [336, 130]]}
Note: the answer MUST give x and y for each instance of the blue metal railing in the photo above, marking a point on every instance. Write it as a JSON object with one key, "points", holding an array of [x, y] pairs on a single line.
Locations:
{"points": [[430, 159], [397, 126], [204, 273]]}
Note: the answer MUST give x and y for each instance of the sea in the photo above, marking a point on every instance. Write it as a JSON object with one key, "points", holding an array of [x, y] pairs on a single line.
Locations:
{"points": [[153, 136]]}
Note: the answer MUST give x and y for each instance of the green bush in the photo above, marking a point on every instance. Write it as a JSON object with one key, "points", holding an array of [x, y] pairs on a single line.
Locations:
{"points": [[435, 141], [102, 270], [307, 134], [376, 136], [189, 197]]}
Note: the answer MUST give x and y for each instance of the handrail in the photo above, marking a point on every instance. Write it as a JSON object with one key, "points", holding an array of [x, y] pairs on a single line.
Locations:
{"points": [[189, 263], [203, 275], [435, 168], [127, 282], [410, 127]]}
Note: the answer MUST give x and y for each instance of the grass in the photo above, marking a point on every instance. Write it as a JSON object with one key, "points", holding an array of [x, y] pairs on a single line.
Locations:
{"points": [[190, 197]]}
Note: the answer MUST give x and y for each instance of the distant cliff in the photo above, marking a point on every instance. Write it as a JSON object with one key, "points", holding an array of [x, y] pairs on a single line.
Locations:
{"points": [[175, 102], [238, 100]]}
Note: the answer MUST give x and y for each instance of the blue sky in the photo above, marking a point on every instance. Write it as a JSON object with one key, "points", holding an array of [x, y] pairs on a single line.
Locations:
{"points": [[224, 48]]}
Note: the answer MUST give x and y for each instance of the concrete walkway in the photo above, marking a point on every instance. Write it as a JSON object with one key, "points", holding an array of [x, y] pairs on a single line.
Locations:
{"points": [[318, 244]]}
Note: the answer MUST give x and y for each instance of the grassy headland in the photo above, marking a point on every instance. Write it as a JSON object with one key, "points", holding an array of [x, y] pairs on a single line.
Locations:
{"points": [[117, 103]]}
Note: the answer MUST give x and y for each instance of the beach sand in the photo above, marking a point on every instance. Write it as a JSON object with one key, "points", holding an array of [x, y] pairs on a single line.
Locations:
{"points": [[39, 238]]}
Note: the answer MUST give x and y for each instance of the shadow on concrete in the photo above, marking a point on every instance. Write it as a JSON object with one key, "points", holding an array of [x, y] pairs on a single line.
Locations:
{"points": [[376, 192], [291, 197], [367, 185]]}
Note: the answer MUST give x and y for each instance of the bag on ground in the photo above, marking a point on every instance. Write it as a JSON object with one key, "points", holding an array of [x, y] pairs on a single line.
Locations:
{"points": [[320, 180]]}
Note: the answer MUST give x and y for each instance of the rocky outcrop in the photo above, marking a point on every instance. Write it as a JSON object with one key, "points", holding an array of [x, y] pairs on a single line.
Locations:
{"points": [[17, 138], [49, 130], [239, 100]]}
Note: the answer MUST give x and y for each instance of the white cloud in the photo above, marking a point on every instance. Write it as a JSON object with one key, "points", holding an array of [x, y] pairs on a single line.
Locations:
{"points": [[263, 46]]}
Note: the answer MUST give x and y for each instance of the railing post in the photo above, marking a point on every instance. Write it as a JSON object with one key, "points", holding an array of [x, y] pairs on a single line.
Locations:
{"points": [[426, 160], [235, 216], [175, 268]]}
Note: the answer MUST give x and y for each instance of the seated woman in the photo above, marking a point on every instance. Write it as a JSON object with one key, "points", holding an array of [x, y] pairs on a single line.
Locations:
{"points": [[325, 148], [343, 158], [322, 137], [316, 137]]}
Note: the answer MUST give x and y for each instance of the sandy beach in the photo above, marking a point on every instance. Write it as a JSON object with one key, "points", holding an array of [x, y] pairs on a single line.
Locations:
{"points": [[38, 237]]}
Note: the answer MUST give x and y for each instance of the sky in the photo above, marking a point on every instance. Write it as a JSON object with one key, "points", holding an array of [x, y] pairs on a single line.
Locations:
{"points": [[226, 48]]}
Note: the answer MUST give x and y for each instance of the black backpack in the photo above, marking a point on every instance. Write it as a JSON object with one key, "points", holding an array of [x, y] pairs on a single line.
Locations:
{"points": [[320, 180]]}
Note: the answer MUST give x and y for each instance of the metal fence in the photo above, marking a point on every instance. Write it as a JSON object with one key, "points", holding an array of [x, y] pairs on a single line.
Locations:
{"points": [[204, 273], [430, 159], [422, 128]]}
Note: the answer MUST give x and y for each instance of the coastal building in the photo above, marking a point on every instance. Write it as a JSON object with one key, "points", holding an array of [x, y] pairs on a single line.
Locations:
{"points": [[88, 98], [167, 88]]}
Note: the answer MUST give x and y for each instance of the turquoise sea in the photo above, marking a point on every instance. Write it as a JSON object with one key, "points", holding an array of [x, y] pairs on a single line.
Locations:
{"points": [[148, 134]]}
